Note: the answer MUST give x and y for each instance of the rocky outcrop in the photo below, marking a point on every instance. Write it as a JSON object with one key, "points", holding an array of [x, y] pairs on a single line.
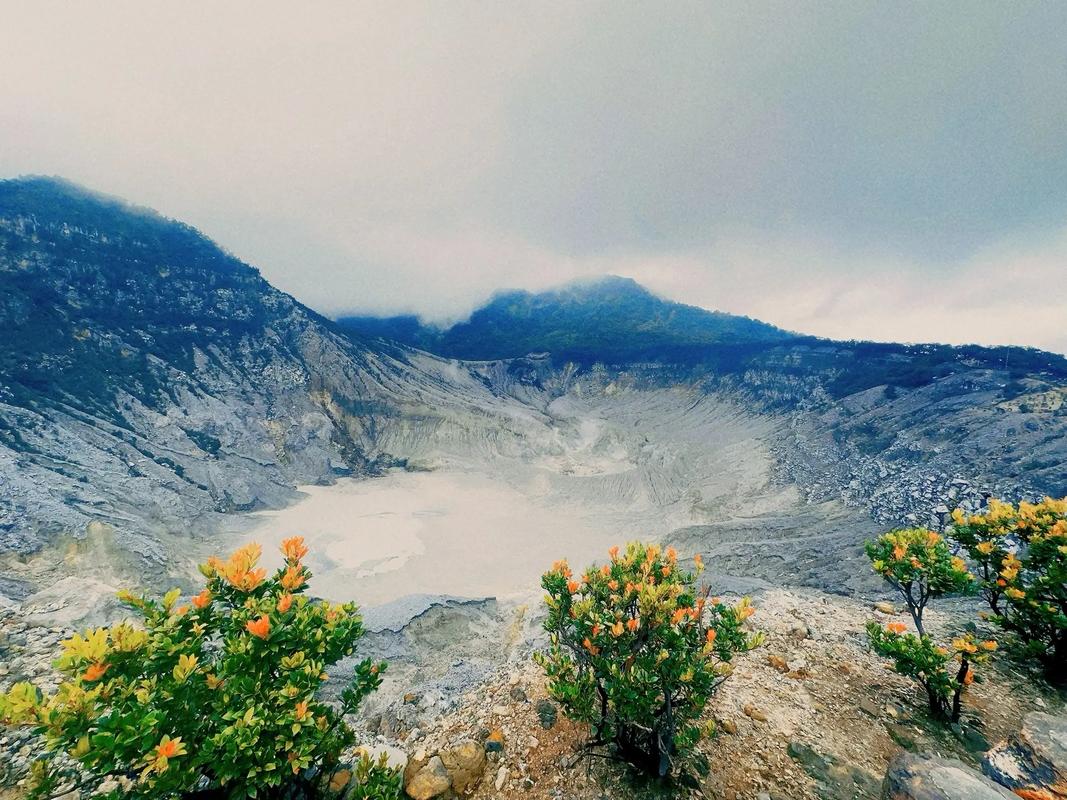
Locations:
{"points": [[1033, 763], [925, 777], [457, 769]]}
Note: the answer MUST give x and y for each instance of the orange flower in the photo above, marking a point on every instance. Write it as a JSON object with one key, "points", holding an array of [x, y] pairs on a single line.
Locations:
{"points": [[293, 578], [679, 615], [898, 552], [595, 629], [699, 561], [613, 552], [181, 611], [294, 549], [588, 645], [632, 624], [202, 600], [95, 672], [301, 711], [572, 586], [613, 584], [968, 679], [617, 629], [666, 570], [284, 602], [259, 627], [169, 748], [605, 570], [895, 627], [709, 638], [243, 578], [672, 554]]}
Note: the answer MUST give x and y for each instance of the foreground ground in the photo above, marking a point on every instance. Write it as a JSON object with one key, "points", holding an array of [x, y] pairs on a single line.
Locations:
{"points": [[810, 715]]}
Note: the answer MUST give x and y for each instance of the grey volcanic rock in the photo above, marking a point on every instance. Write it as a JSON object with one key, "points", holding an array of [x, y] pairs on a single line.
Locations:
{"points": [[924, 777]]}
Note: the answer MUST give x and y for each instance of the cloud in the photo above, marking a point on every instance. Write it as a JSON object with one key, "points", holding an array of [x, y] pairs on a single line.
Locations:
{"points": [[854, 169]]}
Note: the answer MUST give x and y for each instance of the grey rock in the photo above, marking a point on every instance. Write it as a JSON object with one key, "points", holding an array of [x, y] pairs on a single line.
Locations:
{"points": [[926, 777]]}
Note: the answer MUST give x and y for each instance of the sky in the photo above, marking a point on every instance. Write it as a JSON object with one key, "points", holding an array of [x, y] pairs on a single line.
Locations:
{"points": [[888, 171]]}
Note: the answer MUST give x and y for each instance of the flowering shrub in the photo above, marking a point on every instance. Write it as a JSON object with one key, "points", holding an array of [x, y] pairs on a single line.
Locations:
{"points": [[920, 566], [636, 651], [213, 698], [1021, 553], [932, 666]]}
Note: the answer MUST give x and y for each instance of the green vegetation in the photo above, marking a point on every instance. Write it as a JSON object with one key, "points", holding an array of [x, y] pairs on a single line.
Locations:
{"points": [[636, 652], [931, 666], [214, 698], [1021, 553], [920, 566], [97, 296]]}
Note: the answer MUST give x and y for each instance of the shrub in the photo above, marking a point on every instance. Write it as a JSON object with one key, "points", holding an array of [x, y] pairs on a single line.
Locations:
{"points": [[920, 566], [920, 658], [1021, 553], [636, 651], [214, 698]]}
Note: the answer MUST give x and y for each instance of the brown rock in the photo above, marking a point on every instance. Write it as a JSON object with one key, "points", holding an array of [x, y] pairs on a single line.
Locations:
{"points": [[885, 608], [729, 726], [339, 780], [415, 763], [778, 663], [430, 781], [754, 713], [465, 762]]}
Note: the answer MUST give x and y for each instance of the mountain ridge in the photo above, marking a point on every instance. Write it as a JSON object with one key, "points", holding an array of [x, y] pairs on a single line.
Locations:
{"points": [[154, 389]]}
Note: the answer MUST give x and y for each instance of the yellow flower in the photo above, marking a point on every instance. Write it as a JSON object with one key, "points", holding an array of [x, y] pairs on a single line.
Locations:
{"points": [[185, 666], [91, 647]]}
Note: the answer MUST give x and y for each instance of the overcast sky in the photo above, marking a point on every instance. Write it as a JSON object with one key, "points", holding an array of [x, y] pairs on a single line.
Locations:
{"points": [[890, 171]]}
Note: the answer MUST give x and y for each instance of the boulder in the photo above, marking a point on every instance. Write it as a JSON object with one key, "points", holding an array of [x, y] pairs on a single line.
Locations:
{"points": [[925, 777], [1034, 760], [432, 780], [465, 762]]}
